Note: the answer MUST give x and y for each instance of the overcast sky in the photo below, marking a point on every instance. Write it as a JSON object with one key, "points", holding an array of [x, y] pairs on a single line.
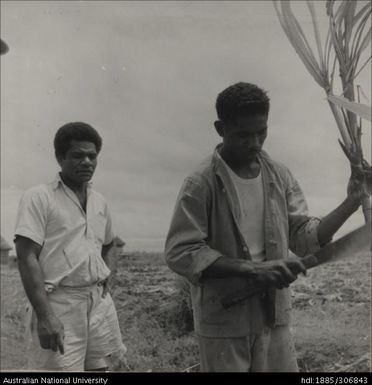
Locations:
{"points": [[146, 76]]}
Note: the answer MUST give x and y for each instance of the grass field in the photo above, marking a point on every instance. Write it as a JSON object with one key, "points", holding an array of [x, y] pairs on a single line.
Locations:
{"points": [[331, 317]]}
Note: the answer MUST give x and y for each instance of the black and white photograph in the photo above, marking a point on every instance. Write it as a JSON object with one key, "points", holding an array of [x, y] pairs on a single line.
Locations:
{"points": [[186, 187]]}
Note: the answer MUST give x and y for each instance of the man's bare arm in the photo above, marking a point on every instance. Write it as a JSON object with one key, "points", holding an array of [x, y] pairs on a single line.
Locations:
{"points": [[50, 329], [110, 258], [334, 220]]}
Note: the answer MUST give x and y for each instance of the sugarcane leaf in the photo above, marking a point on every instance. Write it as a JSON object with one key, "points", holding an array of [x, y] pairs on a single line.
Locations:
{"points": [[361, 68], [340, 11], [340, 124], [294, 34], [327, 49], [361, 12], [293, 26], [365, 42], [337, 44], [303, 48], [308, 56], [329, 5], [317, 34], [359, 33], [344, 47], [339, 19], [359, 109], [332, 76], [349, 21], [356, 55], [359, 30]]}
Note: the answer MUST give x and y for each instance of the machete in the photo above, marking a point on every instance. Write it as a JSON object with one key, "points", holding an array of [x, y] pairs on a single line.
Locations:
{"points": [[350, 244]]}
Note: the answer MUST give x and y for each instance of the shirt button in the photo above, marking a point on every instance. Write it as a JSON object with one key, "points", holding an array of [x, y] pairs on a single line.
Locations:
{"points": [[245, 249], [223, 190]]}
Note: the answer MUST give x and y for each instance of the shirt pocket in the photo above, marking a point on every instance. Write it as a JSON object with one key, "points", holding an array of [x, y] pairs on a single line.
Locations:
{"points": [[59, 220], [211, 293]]}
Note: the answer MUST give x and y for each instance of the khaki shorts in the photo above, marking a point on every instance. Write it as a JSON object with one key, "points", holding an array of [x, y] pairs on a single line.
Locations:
{"points": [[91, 330], [270, 351]]}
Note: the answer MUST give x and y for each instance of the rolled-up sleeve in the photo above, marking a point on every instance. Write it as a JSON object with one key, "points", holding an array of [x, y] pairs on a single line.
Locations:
{"points": [[303, 229], [32, 216], [186, 249]]}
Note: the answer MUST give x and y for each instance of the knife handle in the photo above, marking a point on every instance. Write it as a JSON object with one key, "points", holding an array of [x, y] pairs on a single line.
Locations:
{"points": [[232, 299]]}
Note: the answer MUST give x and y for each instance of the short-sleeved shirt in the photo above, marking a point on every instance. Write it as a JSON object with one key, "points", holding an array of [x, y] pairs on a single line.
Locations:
{"points": [[71, 239]]}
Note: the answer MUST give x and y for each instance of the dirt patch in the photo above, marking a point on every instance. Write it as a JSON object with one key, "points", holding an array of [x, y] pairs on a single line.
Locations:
{"points": [[12, 311], [331, 317]]}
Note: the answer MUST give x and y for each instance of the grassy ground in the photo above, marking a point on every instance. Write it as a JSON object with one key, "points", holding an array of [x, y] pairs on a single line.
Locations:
{"points": [[331, 315]]}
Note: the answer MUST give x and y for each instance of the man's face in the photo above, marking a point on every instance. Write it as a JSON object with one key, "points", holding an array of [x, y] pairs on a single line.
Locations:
{"points": [[245, 136], [79, 162]]}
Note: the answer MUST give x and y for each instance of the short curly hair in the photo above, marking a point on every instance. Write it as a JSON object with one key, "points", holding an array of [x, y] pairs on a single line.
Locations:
{"points": [[241, 98], [78, 131]]}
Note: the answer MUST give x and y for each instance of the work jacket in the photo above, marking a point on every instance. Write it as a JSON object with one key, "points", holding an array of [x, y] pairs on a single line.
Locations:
{"points": [[205, 227]]}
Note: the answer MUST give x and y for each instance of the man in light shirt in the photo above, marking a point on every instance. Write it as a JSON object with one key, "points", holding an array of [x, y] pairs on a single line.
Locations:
{"points": [[235, 219], [65, 247]]}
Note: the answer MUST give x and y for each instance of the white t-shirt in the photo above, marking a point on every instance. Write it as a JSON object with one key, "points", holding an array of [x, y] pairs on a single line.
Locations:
{"points": [[251, 202]]}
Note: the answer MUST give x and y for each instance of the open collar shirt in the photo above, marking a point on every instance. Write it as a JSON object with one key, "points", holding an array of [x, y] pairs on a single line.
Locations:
{"points": [[205, 227], [71, 239]]}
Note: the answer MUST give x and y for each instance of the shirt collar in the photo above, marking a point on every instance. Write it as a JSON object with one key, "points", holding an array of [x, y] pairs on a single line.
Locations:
{"points": [[263, 158], [58, 182], [217, 159]]}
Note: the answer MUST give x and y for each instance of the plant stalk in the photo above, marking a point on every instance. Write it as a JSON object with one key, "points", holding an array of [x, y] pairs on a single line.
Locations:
{"points": [[356, 131]]}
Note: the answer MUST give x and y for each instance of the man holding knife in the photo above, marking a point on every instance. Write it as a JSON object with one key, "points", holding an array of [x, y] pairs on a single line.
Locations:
{"points": [[235, 219]]}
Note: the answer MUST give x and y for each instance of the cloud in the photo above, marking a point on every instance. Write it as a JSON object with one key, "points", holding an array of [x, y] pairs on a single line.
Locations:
{"points": [[146, 75]]}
